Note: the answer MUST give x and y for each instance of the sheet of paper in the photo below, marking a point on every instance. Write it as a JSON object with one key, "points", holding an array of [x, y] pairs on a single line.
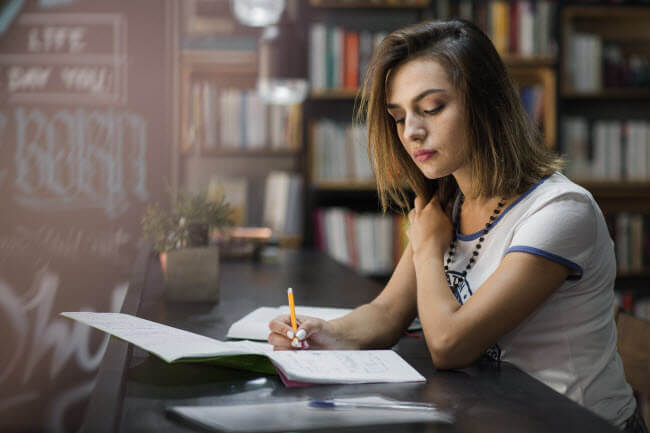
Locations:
{"points": [[298, 415], [255, 325], [166, 342], [344, 366]]}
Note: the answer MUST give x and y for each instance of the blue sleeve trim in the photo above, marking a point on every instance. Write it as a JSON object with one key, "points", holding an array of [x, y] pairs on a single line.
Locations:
{"points": [[553, 257]]}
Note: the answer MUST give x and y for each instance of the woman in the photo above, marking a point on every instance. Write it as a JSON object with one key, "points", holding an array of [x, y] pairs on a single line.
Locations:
{"points": [[525, 252]]}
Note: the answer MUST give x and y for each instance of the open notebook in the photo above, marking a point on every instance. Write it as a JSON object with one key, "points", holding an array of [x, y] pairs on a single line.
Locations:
{"points": [[295, 368], [255, 325]]}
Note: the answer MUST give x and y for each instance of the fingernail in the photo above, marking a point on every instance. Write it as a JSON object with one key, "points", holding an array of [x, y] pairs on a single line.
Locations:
{"points": [[290, 334], [295, 343], [305, 345], [301, 334]]}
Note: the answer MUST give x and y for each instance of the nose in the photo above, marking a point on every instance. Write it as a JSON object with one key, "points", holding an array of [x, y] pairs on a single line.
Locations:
{"points": [[414, 129]]}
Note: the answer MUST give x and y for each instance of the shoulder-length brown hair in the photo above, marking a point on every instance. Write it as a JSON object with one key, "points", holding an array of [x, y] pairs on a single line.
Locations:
{"points": [[506, 150]]}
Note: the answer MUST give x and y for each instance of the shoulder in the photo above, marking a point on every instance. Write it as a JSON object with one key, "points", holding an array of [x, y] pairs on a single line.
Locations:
{"points": [[558, 192]]}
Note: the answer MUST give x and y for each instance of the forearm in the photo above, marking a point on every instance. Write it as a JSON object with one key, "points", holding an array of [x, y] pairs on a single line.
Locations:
{"points": [[370, 325], [437, 311]]}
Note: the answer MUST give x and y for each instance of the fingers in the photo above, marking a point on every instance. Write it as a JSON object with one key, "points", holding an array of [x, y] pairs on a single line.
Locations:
{"points": [[419, 203], [282, 325], [282, 336], [411, 216]]}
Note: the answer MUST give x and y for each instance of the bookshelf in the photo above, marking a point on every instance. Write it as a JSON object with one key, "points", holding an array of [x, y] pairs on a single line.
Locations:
{"points": [[231, 138], [604, 47], [384, 4], [603, 93], [342, 36]]}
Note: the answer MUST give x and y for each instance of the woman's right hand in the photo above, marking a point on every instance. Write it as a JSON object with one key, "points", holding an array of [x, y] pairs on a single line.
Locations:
{"points": [[312, 333]]}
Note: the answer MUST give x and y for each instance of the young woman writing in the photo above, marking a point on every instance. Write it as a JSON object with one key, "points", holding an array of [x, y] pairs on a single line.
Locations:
{"points": [[506, 257]]}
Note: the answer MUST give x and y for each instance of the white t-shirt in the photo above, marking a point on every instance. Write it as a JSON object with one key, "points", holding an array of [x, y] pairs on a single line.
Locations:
{"points": [[569, 341]]}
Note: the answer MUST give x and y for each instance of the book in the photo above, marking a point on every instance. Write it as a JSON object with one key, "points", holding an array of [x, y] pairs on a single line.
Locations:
{"points": [[295, 368]]}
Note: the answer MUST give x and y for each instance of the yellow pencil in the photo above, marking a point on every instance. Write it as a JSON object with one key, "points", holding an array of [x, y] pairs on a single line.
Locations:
{"points": [[292, 309]]}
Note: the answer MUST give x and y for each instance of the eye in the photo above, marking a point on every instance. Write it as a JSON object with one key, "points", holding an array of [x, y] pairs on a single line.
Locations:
{"points": [[398, 121], [435, 110]]}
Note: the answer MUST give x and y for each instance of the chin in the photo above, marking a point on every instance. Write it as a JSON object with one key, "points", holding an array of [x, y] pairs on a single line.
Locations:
{"points": [[433, 174]]}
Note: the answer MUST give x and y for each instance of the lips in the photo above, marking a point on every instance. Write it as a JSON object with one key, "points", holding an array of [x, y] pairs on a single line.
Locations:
{"points": [[423, 154]]}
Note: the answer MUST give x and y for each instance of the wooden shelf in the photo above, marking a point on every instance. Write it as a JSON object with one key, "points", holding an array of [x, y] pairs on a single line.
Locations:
{"points": [[643, 273], [253, 153], [345, 185], [609, 93], [384, 4], [335, 94], [622, 188], [514, 61]]}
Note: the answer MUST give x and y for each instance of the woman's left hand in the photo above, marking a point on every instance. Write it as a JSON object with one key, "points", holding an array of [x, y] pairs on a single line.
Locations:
{"points": [[430, 229]]}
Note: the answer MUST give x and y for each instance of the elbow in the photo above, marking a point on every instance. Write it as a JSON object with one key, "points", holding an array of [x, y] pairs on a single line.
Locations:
{"points": [[446, 353]]}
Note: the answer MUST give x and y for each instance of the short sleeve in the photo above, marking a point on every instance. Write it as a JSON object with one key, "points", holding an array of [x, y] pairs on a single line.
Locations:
{"points": [[561, 230]]}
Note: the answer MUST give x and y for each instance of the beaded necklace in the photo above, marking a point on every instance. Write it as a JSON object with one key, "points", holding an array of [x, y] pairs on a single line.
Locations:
{"points": [[477, 248]]}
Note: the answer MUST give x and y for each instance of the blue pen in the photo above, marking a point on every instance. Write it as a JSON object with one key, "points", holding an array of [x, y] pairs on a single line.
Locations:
{"points": [[334, 404]]}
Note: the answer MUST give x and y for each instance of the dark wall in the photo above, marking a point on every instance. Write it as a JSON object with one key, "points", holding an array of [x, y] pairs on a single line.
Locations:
{"points": [[84, 145]]}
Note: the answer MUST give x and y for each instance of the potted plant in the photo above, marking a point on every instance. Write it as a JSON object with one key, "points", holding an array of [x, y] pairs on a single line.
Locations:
{"points": [[181, 237]]}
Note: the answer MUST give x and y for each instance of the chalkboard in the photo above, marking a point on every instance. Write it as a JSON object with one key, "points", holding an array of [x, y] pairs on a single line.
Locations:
{"points": [[85, 139]]}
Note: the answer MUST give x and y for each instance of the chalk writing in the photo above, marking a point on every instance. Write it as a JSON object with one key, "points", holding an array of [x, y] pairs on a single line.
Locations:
{"points": [[45, 242], [90, 79], [65, 340], [27, 78], [80, 159], [3, 123], [55, 416], [71, 59], [56, 39]]}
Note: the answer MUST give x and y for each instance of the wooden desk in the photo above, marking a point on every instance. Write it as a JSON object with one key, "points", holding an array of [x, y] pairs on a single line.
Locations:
{"points": [[134, 388]]}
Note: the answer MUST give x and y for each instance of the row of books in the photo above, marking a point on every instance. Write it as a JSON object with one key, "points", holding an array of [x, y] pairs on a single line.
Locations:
{"points": [[338, 57], [371, 243], [282, 207], [606, 150], [532, 98], [340, 152], [517, 27], [236, 119], [594, 65], [633, 303], [283, 203], [631, 233]]}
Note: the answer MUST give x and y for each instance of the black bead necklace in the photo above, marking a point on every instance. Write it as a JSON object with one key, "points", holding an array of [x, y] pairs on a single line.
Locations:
{"points": [[477, 248]]}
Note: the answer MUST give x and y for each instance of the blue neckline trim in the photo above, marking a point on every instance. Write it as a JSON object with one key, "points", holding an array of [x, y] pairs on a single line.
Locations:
{"points": [[477, 234]]}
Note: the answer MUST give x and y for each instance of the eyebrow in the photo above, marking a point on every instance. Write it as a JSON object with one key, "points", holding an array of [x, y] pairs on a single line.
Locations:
{"points": [[419, 97]]}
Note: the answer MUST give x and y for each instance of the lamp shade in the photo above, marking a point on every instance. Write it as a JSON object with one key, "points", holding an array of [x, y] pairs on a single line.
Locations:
{"points": [[282, 70], [257, 13]]}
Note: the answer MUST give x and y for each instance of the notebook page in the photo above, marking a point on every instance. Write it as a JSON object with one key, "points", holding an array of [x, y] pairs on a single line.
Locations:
{"points": [[344, 366], [166, 342]]}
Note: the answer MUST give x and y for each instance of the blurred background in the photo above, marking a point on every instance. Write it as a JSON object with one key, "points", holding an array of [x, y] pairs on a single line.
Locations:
{"points": [[109, 106]]}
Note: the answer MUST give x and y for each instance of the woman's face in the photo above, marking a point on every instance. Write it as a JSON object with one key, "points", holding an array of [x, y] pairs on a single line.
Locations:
{"points": [[429, 116]]}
